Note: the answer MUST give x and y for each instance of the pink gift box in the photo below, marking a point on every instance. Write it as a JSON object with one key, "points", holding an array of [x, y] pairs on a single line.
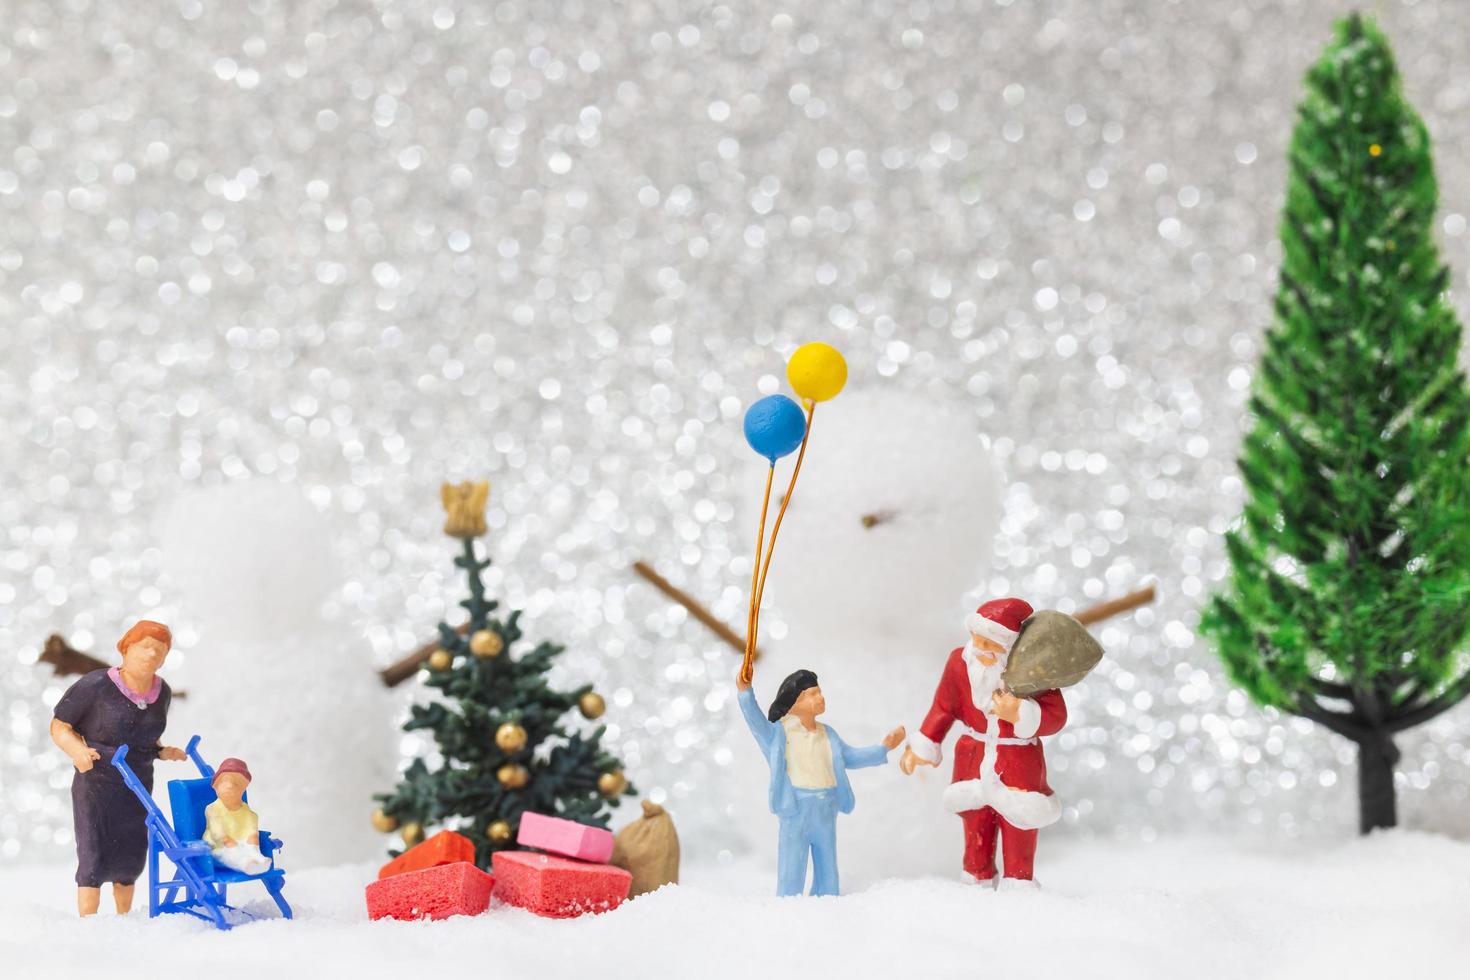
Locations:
{"points": [[565, 837]]}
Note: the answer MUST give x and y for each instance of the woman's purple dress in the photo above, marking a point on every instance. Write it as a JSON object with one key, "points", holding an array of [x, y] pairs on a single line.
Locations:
{"points": [[112, 835]]}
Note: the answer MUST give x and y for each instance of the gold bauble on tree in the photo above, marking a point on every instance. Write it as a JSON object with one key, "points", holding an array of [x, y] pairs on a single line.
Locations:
{"points": [[510, 737], [384, 823], [499, 831], [412, 833], [610, 784], [513, 775], [486, 643], [591, 705], [440, 660]]}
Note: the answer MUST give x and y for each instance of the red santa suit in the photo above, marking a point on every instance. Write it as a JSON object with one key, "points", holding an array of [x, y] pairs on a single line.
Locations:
{"points": [[999, 786]]}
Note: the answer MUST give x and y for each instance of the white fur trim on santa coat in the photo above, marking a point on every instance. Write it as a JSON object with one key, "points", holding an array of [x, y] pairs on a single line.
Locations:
{"points": [[925, 748], [1022, 809], [990, 629], [1028, 719]]}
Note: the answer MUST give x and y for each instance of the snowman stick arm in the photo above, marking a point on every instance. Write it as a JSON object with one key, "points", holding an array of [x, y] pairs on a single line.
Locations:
{"points": [[1114, 607], [402, 669], [66, 660], [694, 607]]}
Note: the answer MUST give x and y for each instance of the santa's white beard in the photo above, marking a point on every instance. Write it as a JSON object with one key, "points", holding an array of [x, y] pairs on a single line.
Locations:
{"points": [[984, 681]]}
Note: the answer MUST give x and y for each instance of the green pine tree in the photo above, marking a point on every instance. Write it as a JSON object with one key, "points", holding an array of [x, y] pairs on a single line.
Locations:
{"points": [[490, 691], [1349, 601]]}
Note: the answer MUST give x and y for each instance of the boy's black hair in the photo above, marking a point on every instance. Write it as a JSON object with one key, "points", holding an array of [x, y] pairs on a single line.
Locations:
{"points": [[790, 690]]}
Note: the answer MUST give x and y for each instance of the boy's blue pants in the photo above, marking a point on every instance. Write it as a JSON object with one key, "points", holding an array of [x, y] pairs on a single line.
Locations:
{"points": [[811, 827]]}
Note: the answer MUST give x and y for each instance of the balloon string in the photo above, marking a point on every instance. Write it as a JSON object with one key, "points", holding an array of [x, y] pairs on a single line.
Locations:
{"points": [[811, 411], [747, 667]]}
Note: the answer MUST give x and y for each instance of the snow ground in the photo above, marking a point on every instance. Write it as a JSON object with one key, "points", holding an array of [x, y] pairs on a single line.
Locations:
{"points": [[1391, 905]]}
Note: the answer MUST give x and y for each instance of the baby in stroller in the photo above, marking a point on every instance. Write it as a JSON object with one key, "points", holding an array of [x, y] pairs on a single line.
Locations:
{"points": [[232, 829]]}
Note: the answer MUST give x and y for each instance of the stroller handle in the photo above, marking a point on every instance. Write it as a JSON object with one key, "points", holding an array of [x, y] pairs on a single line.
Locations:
{"points": [[120, 763], [192, 750]]}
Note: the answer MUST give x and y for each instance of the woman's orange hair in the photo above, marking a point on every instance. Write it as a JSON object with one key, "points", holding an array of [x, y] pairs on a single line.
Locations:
{"points": [[146, 629]]}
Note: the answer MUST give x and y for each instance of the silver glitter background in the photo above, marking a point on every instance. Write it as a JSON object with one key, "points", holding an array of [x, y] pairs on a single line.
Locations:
{"points": [[363, 247]]}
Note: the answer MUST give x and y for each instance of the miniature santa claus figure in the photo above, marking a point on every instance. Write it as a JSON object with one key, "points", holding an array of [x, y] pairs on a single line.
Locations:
{"points": [[999, 785]]}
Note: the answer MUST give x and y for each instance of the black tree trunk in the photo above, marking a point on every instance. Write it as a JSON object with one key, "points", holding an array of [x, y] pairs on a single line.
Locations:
{"points": [[1377, 806]]}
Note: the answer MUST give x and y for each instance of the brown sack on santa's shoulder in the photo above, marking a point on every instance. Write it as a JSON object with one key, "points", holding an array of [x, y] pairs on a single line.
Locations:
{"points": [[1053, 651]]}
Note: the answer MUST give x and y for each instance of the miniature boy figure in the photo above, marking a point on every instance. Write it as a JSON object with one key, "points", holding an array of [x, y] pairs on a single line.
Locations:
{"points": [[232, 829], [809, 785]]}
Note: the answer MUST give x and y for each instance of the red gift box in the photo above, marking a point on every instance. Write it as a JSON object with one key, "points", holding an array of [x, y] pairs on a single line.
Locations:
{"points": [[445, 847], [558, 887], [433, 893]]}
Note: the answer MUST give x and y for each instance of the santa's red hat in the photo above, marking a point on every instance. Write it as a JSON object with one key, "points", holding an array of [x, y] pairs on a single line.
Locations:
{"points": [[999, 620]]}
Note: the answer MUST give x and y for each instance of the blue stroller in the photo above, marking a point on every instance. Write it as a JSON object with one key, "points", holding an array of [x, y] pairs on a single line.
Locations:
{"points": [[199, 883]]}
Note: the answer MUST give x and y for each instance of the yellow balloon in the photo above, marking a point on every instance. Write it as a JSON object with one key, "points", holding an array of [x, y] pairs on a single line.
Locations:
{"points": [[816, 371]]}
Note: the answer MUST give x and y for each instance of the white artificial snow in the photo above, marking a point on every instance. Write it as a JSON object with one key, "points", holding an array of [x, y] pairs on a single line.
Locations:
{"points": [[874, 610], [1392, 905], [271, 680]]}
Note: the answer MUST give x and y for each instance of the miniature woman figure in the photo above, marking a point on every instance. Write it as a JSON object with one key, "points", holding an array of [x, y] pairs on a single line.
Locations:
{"points": [[124, 705], [231, 828], [809, 784]]}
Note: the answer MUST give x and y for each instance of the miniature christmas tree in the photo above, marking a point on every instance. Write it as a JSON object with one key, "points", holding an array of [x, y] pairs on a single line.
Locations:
{"points": [[499, 726], [1349, 602]]}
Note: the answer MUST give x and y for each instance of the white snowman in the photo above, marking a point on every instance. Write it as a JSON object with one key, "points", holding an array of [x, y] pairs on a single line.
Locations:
{"points": [[271, 680], [889, 526]]}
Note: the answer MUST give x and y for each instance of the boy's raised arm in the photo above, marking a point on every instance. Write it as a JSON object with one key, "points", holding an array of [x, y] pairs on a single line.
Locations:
{"points": [[762, 728]]}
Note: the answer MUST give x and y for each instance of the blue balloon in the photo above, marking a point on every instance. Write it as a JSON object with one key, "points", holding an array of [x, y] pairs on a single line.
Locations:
{"points": [[774, 426]]}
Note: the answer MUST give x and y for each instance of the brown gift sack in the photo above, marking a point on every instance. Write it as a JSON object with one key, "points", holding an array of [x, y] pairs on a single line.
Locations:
{"points": [[649, 849], [1053, 650]]}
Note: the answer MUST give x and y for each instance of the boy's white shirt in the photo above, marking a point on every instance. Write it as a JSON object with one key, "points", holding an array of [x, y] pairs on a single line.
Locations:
{"points": [[808, 755]]}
